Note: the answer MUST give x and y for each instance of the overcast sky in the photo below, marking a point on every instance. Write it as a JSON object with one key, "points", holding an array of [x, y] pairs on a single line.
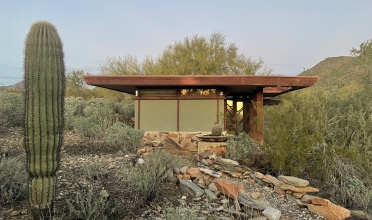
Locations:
{"points": [[289, 35]]}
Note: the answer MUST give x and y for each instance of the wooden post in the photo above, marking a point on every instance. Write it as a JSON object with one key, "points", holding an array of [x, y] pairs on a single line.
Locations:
{"points": [[255, 108]]}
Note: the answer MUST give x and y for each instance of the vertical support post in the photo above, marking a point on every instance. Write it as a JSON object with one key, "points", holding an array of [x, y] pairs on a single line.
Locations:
{"points": [[234, 110], [139, 115], [178, 114], [218, 111], [246, 102], [256, 125]]}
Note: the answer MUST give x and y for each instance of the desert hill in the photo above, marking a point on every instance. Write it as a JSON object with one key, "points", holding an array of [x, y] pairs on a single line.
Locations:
{"points": [[336, 71]]}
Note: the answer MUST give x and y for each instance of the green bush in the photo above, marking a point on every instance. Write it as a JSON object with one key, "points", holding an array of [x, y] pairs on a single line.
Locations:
{"points": [[11, 145], [125, 110], [89, 204], [311, 131], [74, 108], [122, 136], [11, 111], [98, 116], [243, 147], [349, 184], [145, 178], [13, 180], [93, 171]]}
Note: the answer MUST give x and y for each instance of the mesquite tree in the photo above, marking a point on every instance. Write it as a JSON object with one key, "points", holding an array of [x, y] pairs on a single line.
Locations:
{"points": [[44, 74]]}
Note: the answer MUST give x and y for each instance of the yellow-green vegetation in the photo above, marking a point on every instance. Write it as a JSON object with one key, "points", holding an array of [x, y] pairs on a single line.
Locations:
{"points": [[11, 111], [145, 178], [197, 55], [103, 124], [44, 74], [324, 133]]}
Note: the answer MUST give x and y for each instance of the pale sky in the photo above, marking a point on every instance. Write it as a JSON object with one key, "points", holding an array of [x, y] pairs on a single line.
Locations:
{"points": [[289, 35]]}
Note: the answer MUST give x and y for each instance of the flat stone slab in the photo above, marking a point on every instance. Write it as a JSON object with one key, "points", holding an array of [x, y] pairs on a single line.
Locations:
{"points": [[190, 188], [307, 189], [294, 181], [211, 172]]}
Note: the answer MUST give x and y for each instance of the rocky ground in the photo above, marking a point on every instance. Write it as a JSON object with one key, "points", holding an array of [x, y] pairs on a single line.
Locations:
{"points": [[255, 195]]}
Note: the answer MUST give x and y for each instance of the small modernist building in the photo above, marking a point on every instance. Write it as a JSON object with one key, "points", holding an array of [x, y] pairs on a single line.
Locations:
{"points": [[196, 103]]}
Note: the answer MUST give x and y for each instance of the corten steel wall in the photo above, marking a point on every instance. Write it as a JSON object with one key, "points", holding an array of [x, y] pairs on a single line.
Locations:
{"points": [[194, 115], [157, 115]]}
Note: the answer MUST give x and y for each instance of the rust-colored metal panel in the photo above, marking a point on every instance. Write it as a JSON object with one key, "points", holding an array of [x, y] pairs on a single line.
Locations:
{"points": [[255, 111], [233, 84]]}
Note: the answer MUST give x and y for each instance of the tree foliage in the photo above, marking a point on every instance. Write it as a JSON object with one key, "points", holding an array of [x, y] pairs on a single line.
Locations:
{"points": [[197, 55], [76, 86]]}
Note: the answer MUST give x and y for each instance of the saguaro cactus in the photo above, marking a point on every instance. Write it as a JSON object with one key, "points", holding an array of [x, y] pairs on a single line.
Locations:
{"points": [[44, 75]]}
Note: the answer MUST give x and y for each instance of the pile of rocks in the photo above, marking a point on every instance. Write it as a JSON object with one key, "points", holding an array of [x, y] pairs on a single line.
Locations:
{"points": [[224, 181]]}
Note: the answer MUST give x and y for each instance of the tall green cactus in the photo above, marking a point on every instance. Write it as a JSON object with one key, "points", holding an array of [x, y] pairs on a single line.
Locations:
{"points": [[44, 74]]}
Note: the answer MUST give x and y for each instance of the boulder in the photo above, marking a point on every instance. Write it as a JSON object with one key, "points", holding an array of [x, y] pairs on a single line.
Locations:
{"points": [[307, 189], [195, 173], [227, 188], [228, 161], [211, 172], [271, 213], [279, 190], [183, 169], [307, 198], [294, 181], [327, 209], [246, 200], [271, 179], [361, 214], [259, 175], [222, 166], [210, 195], [190, 188]]}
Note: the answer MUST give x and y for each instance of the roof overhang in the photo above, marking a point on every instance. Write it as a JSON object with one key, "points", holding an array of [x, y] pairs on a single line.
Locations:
{"points": [[272, 85]]}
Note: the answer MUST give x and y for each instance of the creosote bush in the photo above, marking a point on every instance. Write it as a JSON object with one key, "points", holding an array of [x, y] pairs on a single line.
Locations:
{"points": [[145, 178], [89, 204], [311, 131], [141, 184], [124, 137], [244, 148], [11, 111], [13, 180]]}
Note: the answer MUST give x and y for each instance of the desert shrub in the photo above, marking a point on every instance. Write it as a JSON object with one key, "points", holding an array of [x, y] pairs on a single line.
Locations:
{"points": [[98, 116], [311, 131], [74, 108], [11, 145], [11, 111], [93, 171], [122, 136], [125, 110], [145, 178], [13, 180], [89, 203], [243, 147], [349, 184]]}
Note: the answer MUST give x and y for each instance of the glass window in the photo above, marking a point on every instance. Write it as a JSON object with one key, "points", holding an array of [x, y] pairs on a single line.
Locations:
{"points": [[159, 92], [198, 92]]}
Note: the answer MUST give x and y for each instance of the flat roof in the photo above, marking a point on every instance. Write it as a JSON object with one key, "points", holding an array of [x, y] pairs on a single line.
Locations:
{"points": [[236, 84]]}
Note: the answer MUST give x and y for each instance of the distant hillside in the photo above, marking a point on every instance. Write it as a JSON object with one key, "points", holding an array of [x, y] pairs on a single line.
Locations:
{"points": [[20, 86], [343, 71]]}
